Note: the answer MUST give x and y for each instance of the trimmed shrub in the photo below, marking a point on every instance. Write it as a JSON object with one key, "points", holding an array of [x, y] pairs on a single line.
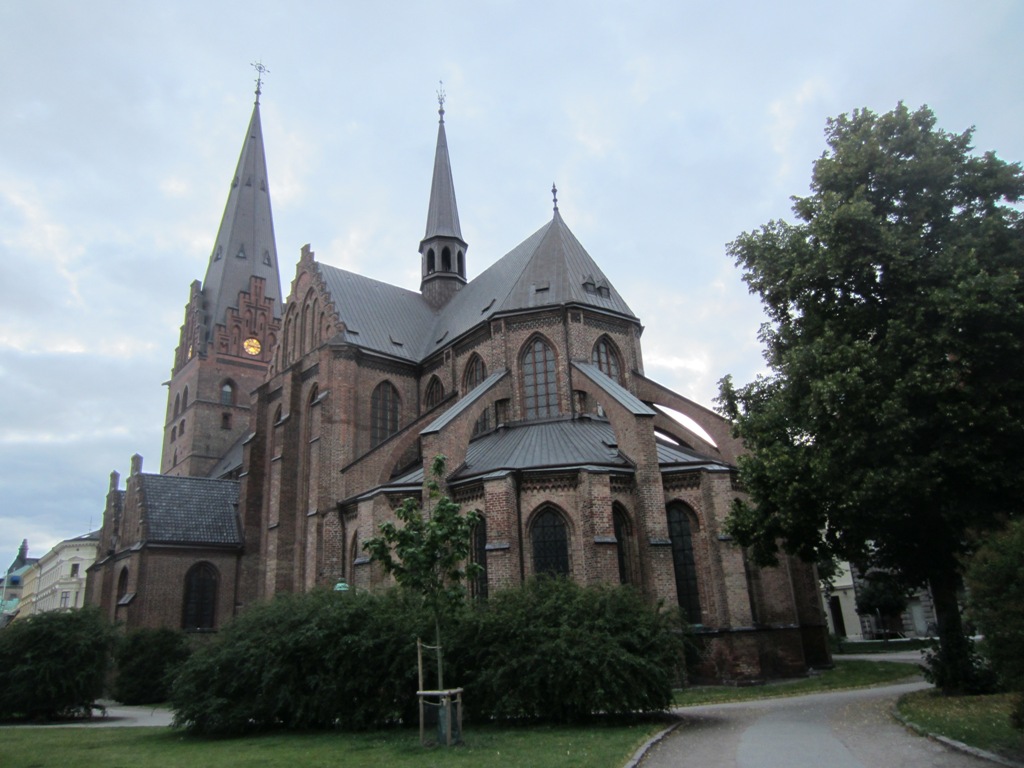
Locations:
{"points": [[317, 660], [551, 650], [995, 581], [146, 661], [53, 665], [556, 651]]}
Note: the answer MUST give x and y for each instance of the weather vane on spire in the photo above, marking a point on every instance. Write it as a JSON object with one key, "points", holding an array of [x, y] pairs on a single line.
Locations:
{"points": [[262, 70], [440, 98], [554, 195]]}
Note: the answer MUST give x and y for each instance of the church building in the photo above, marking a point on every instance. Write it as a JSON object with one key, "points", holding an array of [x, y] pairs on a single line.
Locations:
{"points": [[295, 425]]}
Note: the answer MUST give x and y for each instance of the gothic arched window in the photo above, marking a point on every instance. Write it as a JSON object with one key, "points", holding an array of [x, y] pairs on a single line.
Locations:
{"points": [[199, 606], [606, 358], [122, 584], [227, 393], [623, 543], [475, 373], [478, 587], [435, 393], [550, 538], [383, 412], [540, 381], [680, 531]]}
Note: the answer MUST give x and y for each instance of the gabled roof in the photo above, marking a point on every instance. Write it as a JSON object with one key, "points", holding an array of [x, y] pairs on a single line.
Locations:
{"points": [[245, 244], [189, 510], [549, 268], [379, 316], [442, 211]]}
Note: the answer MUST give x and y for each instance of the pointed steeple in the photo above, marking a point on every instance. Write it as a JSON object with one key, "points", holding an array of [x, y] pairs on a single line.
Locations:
{"points": [[232, 322], [245, 246], [442, 250]]}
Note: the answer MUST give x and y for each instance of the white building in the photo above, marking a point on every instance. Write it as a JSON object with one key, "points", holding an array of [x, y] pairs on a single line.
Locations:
{"points": [[58, 577]]}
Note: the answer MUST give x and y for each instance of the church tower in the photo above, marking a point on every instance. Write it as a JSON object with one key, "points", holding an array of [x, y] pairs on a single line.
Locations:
{"points": [[442, 250], [232, 321]]}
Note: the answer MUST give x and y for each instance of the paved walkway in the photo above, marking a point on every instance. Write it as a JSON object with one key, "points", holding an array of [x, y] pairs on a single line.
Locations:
{"points": [[847, 729], [116, 715]]}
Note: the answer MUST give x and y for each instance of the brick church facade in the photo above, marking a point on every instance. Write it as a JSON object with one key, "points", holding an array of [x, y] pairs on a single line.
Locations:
{"points": [[294, 428]]}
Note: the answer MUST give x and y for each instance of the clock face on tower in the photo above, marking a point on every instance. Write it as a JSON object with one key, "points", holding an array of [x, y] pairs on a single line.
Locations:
{"points": [[252, 346]]}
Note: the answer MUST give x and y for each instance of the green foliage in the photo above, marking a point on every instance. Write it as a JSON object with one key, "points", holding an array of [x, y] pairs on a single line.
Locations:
{"points": [[429, 552], [318, 660], [889, 425], [347, 661], [146, 661], [563, 653], [53, 665], [881, 594], [941, 661], [995, 581]]}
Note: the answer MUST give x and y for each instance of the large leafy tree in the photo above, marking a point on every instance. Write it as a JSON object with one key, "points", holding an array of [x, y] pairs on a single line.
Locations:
{"points": [[888, 429]]}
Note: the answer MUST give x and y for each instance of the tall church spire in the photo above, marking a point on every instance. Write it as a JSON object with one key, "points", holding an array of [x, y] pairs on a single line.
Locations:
{"points": [[442, 250], [232, 321], [245, 244]]}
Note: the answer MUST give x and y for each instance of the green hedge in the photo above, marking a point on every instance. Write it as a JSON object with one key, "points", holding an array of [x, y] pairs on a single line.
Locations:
{"points": [[551, 650], [53, 665], [556, 651], [146, 661], [317, 660]]}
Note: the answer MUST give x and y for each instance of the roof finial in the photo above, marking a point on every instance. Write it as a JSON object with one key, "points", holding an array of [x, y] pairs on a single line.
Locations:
{"points": [[258, 66], [554, 195], [440, 99]]}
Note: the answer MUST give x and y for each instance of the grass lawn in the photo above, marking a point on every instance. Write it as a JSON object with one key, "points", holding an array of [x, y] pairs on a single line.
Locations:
{"points": [[94, 747], [851, 673], [981, 721]]}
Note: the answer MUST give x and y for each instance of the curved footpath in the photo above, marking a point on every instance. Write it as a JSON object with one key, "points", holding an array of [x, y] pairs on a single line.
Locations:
{"points": [[844, 729]]}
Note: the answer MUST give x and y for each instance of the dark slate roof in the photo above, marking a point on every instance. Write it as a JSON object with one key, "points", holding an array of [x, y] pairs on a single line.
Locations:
{"points": [[442, 211], [379, 316], [563, 444], [231, 460], [549, 268], [190, 510], [472, 396], [247, 227], [567, 443], [621, 395]]}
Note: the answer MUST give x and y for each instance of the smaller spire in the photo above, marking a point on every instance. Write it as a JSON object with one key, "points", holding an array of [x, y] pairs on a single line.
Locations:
{"points": [[262, 70], [440, 99], [554, 196]]}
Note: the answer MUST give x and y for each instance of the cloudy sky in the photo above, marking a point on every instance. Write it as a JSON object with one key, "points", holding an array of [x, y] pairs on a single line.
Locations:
{"points": [[669, 127]]}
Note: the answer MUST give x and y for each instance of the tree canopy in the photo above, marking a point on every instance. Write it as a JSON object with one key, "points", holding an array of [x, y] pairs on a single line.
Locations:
{"points": [[888, 426]]}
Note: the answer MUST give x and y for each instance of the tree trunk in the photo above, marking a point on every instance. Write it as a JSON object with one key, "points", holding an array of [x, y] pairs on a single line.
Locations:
{"points": [[952, 667], [440, 659]]}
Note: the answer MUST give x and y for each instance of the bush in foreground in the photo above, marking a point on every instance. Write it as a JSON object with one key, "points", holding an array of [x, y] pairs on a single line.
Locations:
{"points": [[146, 660], [995, 581], [53, 665], [310, 661], [551, 650], [559, 652]]}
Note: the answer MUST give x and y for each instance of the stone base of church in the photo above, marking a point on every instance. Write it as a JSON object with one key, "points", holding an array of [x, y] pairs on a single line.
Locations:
{"points": [[749, 655]]}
